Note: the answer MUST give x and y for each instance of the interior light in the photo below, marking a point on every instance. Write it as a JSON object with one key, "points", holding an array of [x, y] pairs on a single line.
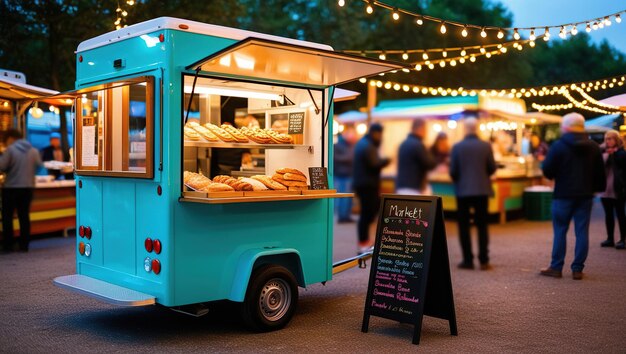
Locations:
{"points": [[226, 91]]}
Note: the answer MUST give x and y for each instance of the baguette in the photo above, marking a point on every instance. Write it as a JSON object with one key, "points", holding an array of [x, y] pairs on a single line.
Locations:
{"points": [[256, 185], [205, 133], [191, 134], [270, 183], [233, 182], [221, 133], [279, 178], [294, 177], [239, 137], [290, 170]]}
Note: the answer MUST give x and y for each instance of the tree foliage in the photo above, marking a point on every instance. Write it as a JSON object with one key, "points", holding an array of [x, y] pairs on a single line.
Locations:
{"points": [[40, 37]]}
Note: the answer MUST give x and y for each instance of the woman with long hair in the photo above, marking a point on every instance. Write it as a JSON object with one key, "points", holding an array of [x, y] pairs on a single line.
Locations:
{"points": [[614, 197]]}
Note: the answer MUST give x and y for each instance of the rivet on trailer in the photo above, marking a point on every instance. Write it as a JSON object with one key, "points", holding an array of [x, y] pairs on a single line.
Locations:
{"points": [[142, 95]]}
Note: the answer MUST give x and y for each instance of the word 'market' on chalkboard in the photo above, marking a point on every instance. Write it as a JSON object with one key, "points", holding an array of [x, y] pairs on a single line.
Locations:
{"points": [[318, 177], [402, 287]]}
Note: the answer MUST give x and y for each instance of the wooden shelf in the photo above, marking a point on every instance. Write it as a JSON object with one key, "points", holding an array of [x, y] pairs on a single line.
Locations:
{"points": [[248, 145], [269, 198]]}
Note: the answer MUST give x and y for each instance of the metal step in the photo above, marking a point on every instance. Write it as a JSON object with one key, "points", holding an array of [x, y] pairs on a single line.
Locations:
{"points": [[104, 291]]}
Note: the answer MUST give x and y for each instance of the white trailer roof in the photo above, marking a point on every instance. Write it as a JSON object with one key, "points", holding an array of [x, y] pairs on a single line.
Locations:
{"points": [[186, 25]]}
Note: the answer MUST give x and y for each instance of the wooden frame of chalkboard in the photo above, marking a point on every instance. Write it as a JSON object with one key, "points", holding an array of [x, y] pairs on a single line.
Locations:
{"points": [[410, 238]]}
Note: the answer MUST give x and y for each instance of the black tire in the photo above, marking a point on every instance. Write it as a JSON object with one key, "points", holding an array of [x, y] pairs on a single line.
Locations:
{"points": [[271, 299]]}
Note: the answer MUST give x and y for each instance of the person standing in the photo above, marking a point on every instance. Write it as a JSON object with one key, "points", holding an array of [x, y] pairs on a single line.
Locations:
{"points": [[342, 158], [575, 164], [54, 152], [366, 172], [614, 196], [472, 163], [538, 148], [20, 162], [414, 162]]}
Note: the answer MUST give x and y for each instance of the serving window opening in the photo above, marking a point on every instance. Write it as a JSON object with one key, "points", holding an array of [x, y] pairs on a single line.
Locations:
{"points": [[114, 124], [242, 130]]}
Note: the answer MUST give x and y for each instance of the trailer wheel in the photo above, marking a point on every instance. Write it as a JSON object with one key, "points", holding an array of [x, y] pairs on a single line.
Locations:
{"points": [[271, 299]]}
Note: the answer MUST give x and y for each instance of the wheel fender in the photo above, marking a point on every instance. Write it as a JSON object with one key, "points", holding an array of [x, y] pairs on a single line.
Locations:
{"points": [[246, 263]]}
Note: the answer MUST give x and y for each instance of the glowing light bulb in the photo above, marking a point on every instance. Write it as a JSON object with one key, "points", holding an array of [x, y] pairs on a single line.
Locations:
{"points": [[443, 29], [562, 33], [419, 20], [425, 56], [452, 62], [369, 9], [464, 31], [418, 67], [382, 56], [124, 13], [483, 33], [395, 15], [588, 28], [618, 18], [488, 55], [595, 26], [118, 10], [405, 56], [482, 50], [607, 21], [574, 30], [520, 47], [500, 34], [341, 3], [532, 44], [546, 35], [532, 36], [516, 35], [463, 52], [444, 54], [462, 60], [472, 58], [431, 66], [130, 2], [503, 49], [442, 63]]}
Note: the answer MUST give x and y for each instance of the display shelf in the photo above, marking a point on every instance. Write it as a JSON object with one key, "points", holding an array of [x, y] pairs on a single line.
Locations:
{"points": [[272, 198], [248, 145]]}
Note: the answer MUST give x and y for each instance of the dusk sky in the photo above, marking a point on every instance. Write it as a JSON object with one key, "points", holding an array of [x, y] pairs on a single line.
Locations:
{"points": [[541, 13]]}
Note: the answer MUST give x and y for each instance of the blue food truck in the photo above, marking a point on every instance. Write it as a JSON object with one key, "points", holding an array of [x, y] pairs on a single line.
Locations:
{"points": [[192, 148]]}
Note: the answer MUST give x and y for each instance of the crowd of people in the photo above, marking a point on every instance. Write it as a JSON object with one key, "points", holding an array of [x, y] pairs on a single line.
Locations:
{"points": [[580, 169]]}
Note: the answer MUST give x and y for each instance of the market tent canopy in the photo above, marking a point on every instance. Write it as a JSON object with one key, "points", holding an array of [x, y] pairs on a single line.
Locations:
{"points": [[602, 123], [271, 61], [19, 91], [618, 100], [344, 95]]}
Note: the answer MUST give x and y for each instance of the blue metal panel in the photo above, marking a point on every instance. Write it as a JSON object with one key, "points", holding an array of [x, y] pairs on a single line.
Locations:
{"points": [[211, 240], [118, 224], [89, 205]]}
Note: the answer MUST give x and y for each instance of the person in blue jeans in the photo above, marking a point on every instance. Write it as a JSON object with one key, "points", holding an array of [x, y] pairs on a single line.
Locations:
{"points": [[575, 164], [343, 157]]}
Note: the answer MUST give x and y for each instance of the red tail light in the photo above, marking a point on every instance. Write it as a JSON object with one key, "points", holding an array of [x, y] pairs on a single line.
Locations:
{"points": [[156, 266], [81, 248], [88, 232], [81, 231], [148, 244], [157, 246]]}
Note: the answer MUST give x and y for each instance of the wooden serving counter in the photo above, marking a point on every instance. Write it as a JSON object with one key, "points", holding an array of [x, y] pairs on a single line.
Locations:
{"points": [[53, 208], [256, 197]]}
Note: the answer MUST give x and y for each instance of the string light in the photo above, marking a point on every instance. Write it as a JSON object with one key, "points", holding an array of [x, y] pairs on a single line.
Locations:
{"points": [[443, 29], [516, 35], [574, 30], [552, 107], [395, 15], [382, 56], [546, 35], [405, 56], [562, 33], [121, 14], [596, 23], [532, 36]]}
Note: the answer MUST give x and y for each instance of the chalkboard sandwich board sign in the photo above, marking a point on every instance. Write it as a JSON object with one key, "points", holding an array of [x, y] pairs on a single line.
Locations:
{"points": [[410, 273], [318, 177]]}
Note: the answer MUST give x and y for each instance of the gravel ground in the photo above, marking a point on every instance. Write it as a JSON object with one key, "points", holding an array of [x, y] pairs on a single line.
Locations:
{"points": [[510, 309]]}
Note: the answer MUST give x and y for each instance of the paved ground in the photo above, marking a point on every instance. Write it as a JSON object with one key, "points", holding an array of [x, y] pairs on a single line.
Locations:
{"points": [[508, 309]]}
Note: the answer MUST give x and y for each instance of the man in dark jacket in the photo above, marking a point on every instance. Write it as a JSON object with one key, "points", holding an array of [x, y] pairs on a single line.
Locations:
{"points": [[575, 163], [414, 162], [367, 167], [471, 166], [20, 162], [54, 152], [342, 157]]}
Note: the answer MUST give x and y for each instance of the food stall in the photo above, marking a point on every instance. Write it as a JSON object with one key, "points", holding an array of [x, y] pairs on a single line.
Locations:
{"points": [[53, 207], [168, 213], [503, 121]]}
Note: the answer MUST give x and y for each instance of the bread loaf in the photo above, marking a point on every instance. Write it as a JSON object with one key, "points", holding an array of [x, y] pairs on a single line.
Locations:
{"points": [[280, 179], [256, 185], [290, 170], [233, 182], [269, 182], [294, 177]]}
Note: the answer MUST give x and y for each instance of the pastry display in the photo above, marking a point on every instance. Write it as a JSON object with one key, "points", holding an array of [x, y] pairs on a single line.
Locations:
{"points": [[191, 134], [257, 135], [239, 136], [280, 179], [270, 183], [221, 133], [205, 133], [238, 185], [294, 177], [279, 138]]}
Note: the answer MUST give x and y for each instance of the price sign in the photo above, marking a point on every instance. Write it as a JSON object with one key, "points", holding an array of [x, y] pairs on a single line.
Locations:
{"points": [[318, 177], [296, 123]]}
